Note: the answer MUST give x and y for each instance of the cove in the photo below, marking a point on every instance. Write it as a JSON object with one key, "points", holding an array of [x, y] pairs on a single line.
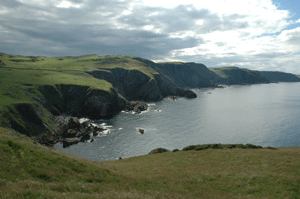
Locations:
{"points": [[261, 114]]}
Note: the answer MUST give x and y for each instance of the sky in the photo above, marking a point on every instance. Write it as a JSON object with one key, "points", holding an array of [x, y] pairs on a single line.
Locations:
{"points": [[253, 34]]}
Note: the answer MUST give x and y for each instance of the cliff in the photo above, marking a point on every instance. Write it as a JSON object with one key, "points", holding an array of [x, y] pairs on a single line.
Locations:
{"points": [[275, 76], [235, 75], [34, 90]]}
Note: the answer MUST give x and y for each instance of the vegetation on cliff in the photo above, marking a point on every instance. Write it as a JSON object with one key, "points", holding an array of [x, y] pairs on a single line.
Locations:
{"points": [[35, 88], [235, 75], [276, 76]]}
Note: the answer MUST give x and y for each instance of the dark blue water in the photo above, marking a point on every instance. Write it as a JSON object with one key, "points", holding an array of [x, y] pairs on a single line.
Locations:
{"points": [[264, 114]]}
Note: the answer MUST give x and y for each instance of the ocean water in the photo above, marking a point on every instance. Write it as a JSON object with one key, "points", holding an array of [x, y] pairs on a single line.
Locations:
{"points": [[263, 114]]}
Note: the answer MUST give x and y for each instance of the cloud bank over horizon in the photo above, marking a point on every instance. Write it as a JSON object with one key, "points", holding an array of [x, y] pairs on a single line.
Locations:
{"points": [[252, 34]]}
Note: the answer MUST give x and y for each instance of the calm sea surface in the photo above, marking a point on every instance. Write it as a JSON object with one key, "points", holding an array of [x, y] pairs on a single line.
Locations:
{"points": [[263, 114]]}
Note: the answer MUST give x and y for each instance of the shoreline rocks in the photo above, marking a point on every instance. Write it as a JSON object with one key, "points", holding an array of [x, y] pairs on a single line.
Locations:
{"points": [[71, 131], [136, 106]]}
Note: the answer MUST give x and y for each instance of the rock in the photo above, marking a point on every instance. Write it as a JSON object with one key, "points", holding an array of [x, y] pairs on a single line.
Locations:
{"points": [[73, 124], [136, 106], [95, 129], [85, 124], [69, 141], [141, 131], [95, 133], [173, 98], [186, 93], [158, 150], [85, 137], [70, 133]]}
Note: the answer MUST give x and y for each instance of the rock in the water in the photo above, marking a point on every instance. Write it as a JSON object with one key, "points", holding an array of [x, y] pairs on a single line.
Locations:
{"points": [[69, 141], [73, 124], [141, 131], [95, 133], [136, 106], [173, 98], [85, 137], [96, 128]]}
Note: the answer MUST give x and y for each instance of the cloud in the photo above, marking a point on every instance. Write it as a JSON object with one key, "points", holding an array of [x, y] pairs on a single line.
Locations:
{"points": [[214, 32]]}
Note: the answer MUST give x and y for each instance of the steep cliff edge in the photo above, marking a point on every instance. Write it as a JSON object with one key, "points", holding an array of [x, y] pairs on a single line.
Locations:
{"points": [[81, 101], [235, 75], [34, 90], [276, 76]]}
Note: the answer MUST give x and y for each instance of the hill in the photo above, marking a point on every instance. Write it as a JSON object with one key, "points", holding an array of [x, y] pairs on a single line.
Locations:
{"points": [[30, 170], [235, 75], [276, 76], [35, 89]]}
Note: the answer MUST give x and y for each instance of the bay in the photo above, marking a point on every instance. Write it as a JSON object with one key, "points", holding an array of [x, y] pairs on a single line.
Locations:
{"points": [[262, 114]]}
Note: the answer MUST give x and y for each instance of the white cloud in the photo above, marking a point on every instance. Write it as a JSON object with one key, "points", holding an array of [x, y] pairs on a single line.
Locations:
{"points": [[68, 4], [248, 33]]}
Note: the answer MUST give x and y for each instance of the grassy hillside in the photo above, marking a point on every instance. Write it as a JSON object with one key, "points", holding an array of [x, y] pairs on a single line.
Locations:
{"points": [[21, 80], [30, 170], [235, 75]]}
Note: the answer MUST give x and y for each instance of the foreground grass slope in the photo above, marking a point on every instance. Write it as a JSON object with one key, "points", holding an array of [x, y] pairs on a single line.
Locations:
{"points": [[29, 170]]}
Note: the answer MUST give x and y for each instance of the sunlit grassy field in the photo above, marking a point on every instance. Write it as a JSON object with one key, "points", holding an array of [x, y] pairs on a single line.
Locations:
{"points": [[29, 170]]}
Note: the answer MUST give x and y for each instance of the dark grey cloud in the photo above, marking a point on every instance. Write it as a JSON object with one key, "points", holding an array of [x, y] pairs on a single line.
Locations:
{"points": [[103, 28], [75, 31], [10, 4]]}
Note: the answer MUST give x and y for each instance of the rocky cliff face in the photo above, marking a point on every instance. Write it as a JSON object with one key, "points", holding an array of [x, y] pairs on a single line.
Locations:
{"points": [[135, 85], [185, 75], [275, 76], [81, 101], [131, 84], [234, 75]]}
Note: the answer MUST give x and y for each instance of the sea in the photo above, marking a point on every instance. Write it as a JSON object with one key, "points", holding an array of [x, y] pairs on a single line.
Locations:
{"points": [[260, 114]]}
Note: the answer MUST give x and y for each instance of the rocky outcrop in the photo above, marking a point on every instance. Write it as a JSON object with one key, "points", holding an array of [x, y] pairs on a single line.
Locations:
{"points": [[136, 106], [70, 131]]}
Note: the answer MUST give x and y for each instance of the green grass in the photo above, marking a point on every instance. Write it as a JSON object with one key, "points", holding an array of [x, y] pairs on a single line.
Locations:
{"points": [[29, 170], [79, 63], [222, 71], [21, 77]]}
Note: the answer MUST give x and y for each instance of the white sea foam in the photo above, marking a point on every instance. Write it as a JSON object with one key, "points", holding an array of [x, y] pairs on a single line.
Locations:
{"points": [[81, 120]]}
